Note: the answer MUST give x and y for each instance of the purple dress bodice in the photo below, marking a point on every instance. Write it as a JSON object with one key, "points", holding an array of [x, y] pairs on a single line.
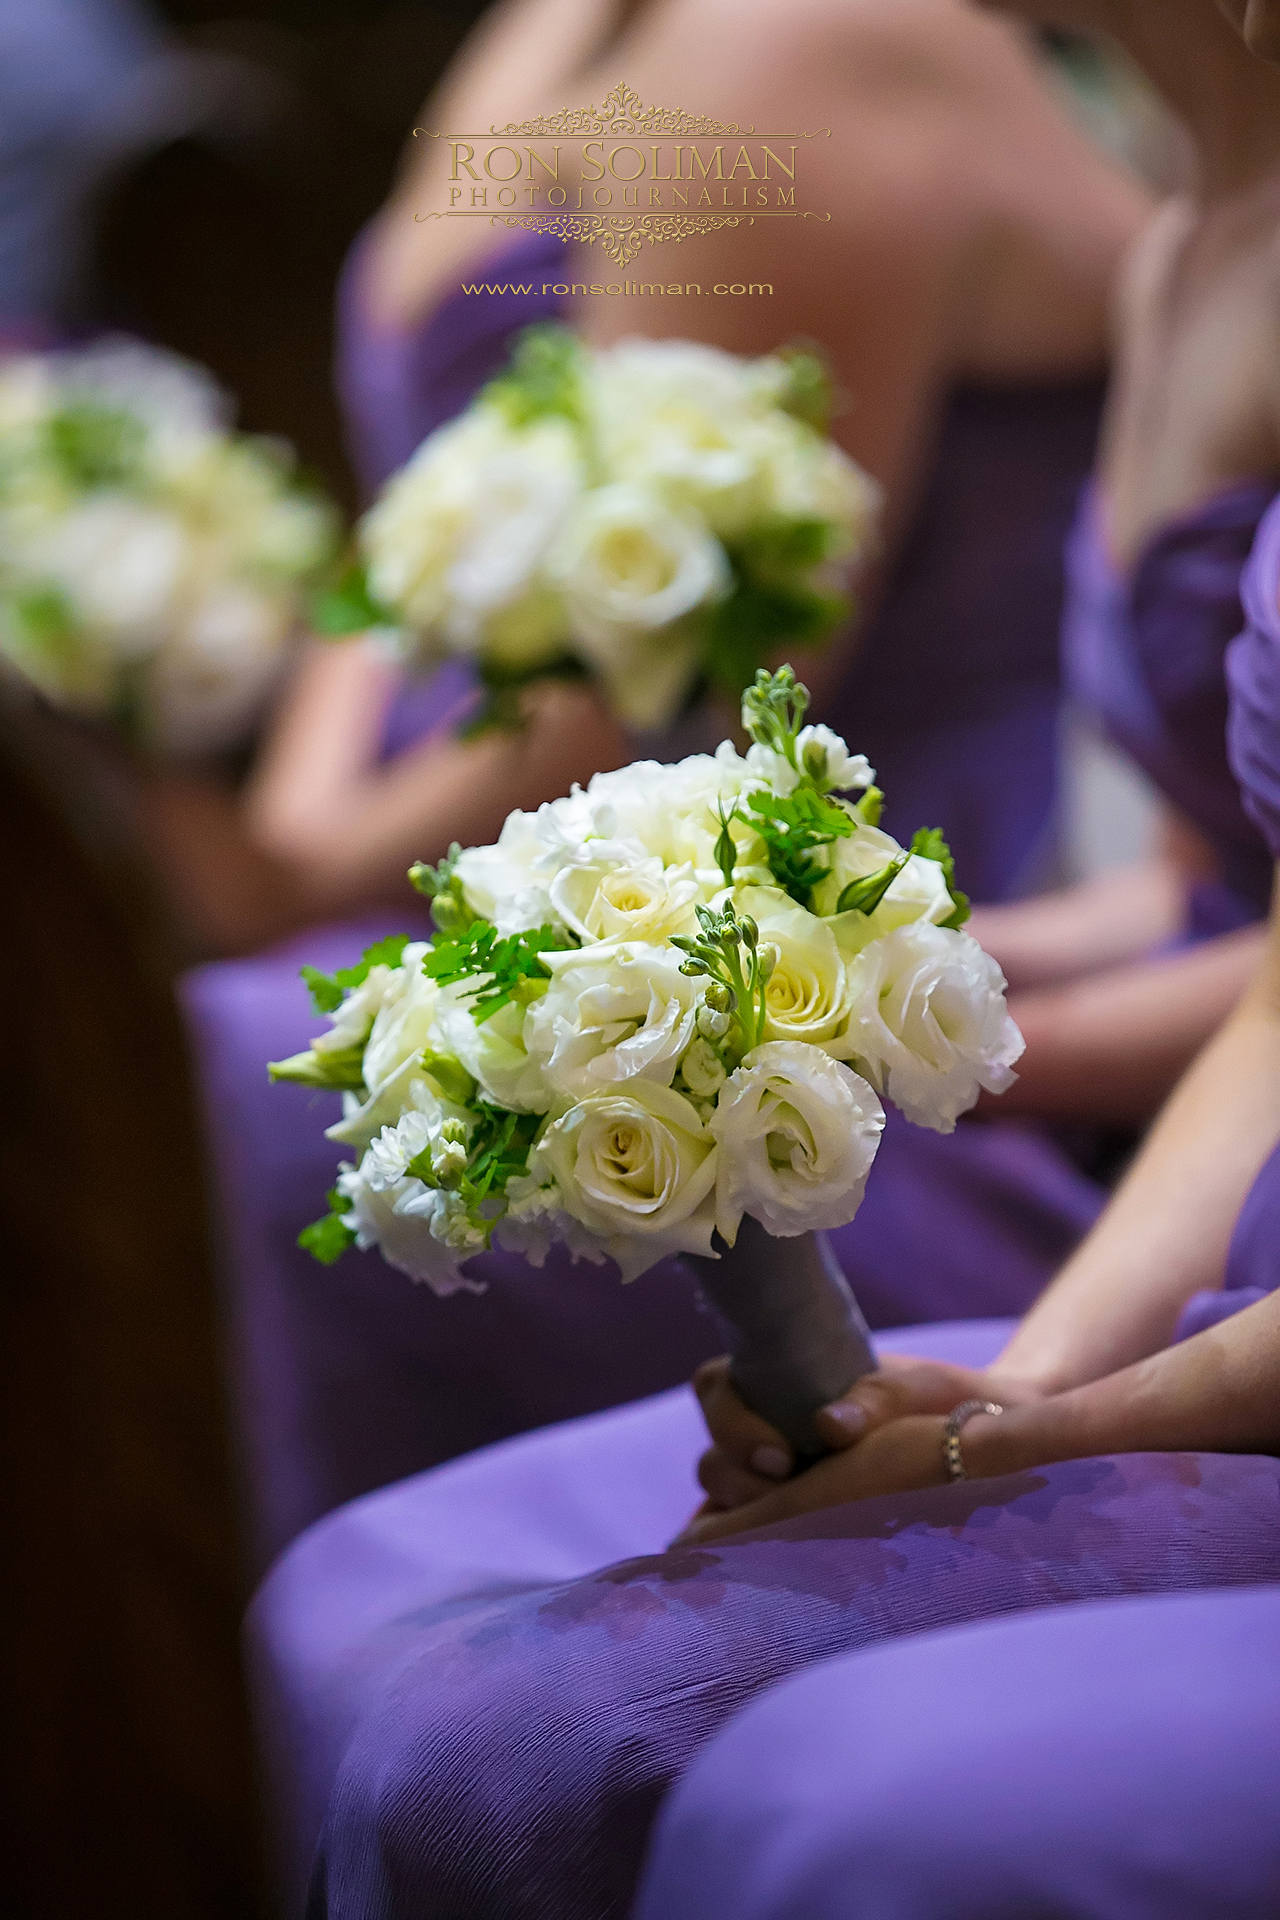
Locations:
{"points": [[1146, 656]]}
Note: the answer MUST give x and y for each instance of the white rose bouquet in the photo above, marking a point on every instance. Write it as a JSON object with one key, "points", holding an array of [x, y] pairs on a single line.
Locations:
{"points": [[658, 1010], [658, 516], [152, 563]]}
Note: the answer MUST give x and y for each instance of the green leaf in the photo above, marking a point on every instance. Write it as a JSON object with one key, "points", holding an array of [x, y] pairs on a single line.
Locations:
{"points": [[792, 826], [327, 1239], [756, 619], [780, 545], [383, 953], [326, 994], [328, 990], [930, 845], [500, 1146], [345, 605], [95, 446], [48, 622], [865, 895], [506, 963], [544, 379], [809, 393]]}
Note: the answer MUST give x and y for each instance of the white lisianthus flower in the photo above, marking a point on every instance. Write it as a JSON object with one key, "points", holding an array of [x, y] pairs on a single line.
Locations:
{"points": [[918, 892], [612, 1015], [807, 994], [404, 1009], [930, 1027], [458, 537], [818, 751], [352, 1021], [505, 882], [602, 899], [798, 1132], [414, 1227], [493, 1051], [637, 1168]]}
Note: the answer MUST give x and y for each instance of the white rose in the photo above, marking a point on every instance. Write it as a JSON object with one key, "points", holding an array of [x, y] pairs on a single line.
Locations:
{"points": [[630, 569], [798, 1132], [493, 1051], [930, 1027], [414, 1228], [603, 899], [683, 419], [120, 564], [503, 882], [919, 890], [638, 1169], [611, 1017], [209, 681], [811, 478], [461, 531], [807, 994]]}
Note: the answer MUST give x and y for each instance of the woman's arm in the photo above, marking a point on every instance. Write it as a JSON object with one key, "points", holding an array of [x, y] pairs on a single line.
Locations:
{"points": [[1164, 1237], [1218, 1392], [1110, 1048], [346, 829]]}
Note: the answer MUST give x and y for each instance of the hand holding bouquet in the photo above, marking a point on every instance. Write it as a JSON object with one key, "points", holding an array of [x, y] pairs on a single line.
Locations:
{"points": [[654, 1008], [658, 516], [151, 561]]}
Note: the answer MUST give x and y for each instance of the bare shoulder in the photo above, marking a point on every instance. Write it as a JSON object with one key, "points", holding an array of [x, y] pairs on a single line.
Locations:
{"points": [[1147, 269]]}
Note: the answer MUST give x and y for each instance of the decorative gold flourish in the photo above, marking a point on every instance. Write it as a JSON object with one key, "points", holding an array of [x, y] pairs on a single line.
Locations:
{"points": [[622, 239], [621, 111]]}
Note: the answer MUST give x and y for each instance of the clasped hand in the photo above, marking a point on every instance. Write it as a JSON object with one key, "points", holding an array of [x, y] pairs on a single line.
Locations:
{"points": [[885, 1435]]}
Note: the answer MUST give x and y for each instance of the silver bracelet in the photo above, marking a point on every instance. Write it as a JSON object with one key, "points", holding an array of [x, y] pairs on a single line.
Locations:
{"points": [[951, 1433]]}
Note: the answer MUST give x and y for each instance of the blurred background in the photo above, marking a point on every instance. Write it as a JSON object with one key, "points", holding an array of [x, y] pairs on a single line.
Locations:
{"points": [[194, 176]]}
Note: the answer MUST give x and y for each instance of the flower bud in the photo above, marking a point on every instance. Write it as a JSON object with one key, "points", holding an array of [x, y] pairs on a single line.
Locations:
{"points": [[767, 959]]}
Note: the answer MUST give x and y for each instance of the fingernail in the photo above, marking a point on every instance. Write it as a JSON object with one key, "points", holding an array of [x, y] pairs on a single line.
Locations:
{"points": [[772, 1462], [847, 1414]]}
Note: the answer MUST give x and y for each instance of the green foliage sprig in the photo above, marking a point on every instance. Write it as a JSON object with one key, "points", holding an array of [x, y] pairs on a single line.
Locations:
{"points": [[329, 989], [930, 845], [328, 1238], [728, 952], [509, 964]]}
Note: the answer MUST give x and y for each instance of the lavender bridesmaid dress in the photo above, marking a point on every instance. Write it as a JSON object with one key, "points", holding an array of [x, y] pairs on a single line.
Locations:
{"points": [[474, 1724]]}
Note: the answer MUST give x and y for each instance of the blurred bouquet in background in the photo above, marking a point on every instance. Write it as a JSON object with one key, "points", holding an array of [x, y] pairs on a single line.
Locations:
{"points": [[658, 516], [152, 563], [654, 1007]]}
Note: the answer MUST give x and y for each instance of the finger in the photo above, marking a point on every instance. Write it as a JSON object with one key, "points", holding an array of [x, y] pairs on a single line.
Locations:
{"points": [[925, 1387], [748, 1440], [728, 1484], [823, 1485]]}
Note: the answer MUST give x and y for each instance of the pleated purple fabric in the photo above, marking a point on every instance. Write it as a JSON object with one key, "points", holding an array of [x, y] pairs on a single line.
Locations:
{"points": [[1115, 1761], [488, 1735]]}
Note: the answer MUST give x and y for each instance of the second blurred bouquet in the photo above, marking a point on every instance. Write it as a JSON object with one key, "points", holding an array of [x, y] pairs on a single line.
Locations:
{"points": [[657, 516], [152, 563]]}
